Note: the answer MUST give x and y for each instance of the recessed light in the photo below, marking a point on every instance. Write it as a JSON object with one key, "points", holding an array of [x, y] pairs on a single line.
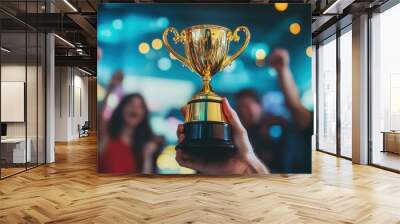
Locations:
{"points": [[64, 40], [70, 5], [5, 50]]}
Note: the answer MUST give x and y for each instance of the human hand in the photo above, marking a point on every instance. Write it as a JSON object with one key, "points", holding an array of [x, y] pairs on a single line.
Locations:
{"points": [[244, 161], [279, 59], [151, 147], [116, 80]]}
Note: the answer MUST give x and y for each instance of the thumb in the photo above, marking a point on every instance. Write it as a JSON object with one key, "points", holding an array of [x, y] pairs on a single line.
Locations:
{"points": [[232, 117]]}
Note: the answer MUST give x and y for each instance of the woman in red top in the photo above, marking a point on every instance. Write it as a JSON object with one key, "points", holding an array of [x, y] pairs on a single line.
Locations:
{"points": [[131, 143]]}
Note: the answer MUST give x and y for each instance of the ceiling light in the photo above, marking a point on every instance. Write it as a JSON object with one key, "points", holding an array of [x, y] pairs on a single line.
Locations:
{"points": [[5, 50], [337, 7], [84, 71], [65, 41], [70, 5]]}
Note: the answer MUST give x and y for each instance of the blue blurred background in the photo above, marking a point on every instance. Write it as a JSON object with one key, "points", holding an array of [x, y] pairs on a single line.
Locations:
{"points": [[129, 36]]}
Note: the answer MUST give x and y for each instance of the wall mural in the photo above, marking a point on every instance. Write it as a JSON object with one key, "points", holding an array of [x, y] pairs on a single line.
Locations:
{"points": [[213, 89]]}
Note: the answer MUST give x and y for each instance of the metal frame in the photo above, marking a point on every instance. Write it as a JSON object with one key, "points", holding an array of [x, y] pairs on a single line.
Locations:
{"points": [[380, 9], [44, 73], [387, 5], [338, 98], [339, 32]]}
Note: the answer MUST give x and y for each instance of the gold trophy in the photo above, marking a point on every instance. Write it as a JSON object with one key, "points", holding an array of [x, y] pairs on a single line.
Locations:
{"points": [[206, 49]]}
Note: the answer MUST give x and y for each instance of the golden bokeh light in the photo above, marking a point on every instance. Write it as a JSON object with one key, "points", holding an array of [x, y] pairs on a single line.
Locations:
{"points": [[295, 28], [281, 6], [260, 63], [157, 44], [144, 48], [260, 54], [166, 161], [309, 51]]}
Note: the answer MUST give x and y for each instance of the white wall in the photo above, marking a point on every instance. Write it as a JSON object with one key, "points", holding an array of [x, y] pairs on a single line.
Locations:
{"points": [[33, 126], [71, 102]]}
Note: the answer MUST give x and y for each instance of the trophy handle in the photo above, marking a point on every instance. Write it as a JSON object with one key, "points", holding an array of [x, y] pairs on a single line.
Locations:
{"points": [[235, 37], [177, 38]]}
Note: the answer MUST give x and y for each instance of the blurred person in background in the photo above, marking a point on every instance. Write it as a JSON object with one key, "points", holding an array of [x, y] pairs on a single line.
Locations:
{"points": [[297, 148], [284, 146], [267, 146], [130, 146]]}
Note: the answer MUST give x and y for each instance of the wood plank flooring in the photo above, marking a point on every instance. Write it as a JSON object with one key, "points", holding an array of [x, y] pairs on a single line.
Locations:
{"points": [[70, 191]]}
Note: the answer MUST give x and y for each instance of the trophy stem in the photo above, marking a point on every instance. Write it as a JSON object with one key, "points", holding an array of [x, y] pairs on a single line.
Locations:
{"points": [[206, 85]]}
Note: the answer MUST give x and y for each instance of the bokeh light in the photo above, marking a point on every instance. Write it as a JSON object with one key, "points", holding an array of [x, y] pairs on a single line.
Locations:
{"points": [[272, 72], [231, 67], [101, 92], [162, 22], [167, 164], [112, 101], [260, 63], [117, 24], [144, 48], [105, 33], [281, 6], [164, 64], [259, 50], [309, 51], [157, 44], [295, 28], [275, 131], [260, 54]]}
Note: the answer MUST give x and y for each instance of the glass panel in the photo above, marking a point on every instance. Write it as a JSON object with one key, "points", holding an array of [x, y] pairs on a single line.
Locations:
{"points": [[346, 94], [31, 98], [41, 99], [385, 86], [327, 97], [13, 86], [32, 87]]}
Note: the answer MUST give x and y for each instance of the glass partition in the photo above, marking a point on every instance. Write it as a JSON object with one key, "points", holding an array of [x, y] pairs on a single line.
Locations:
{"points": [[22, 77], [327, 96], [41, 96], [346, 93], [31, 97], [14, 155], [385, 89]]}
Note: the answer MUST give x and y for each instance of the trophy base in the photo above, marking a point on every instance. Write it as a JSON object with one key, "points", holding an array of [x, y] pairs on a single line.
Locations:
{"points": [[208, 140]]}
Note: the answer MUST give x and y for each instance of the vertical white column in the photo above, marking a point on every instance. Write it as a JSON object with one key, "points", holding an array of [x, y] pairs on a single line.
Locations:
{"points": [[360, 90], [50, 93]]}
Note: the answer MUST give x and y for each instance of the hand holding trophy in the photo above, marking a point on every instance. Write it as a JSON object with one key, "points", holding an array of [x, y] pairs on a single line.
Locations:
{"points": [[206, 47]]}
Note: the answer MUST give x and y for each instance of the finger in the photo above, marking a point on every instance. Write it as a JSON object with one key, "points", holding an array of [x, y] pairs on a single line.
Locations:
{"points": [[179, 129], [179, 157], [181, 137], [232, 117], [184, 160], [183, 110]]}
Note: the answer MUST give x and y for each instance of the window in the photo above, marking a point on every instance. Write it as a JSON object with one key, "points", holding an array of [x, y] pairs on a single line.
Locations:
{"points": [[385, 89], [327, 96], [22, 77], [346, 93]]}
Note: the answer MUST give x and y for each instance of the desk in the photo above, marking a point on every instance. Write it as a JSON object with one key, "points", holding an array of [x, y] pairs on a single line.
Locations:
{"points": [[13, 150], [391, 141]]}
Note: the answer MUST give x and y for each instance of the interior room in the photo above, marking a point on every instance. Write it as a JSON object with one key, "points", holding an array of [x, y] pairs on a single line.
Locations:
{"points": [[50, 103]]}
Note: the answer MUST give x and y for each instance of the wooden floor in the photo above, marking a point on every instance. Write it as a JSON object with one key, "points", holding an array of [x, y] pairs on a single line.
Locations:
{"points": [[70, 191]]}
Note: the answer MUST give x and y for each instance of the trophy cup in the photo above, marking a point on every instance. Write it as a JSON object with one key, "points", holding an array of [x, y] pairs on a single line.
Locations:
{"points": [[206, 49]]}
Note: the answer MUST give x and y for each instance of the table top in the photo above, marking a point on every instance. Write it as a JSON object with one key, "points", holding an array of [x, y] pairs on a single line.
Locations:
{"points": [[13, 140], [391, 132]]}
